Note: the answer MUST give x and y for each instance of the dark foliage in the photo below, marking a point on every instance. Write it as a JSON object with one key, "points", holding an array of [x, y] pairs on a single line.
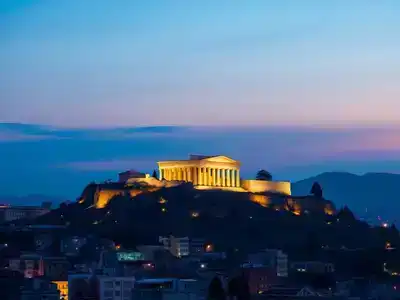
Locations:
{"points": [[264, 175], [346, 215], [239, 287], [316, 190], [216, 290]]}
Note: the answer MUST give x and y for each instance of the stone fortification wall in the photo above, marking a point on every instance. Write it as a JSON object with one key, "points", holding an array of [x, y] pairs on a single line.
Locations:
{"points": [[262, 186], [153, 182]]}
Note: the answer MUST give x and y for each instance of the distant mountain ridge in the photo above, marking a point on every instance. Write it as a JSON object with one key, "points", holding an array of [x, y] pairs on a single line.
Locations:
{"points": [[31, 200], [371, 195]]}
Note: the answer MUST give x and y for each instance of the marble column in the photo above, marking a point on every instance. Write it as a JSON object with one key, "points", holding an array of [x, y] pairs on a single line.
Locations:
{"points": [[199, 176], [236, 178], [234, 171], [214, 177], [194, 173], [228, 177], [223, 178], [188, 173]]}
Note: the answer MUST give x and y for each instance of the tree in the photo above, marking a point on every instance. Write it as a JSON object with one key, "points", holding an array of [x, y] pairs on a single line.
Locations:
{"points": [[264, 175], [215, 290], [316, 190], [154, 174], [244, 289], [312, 245], [345, 214]]}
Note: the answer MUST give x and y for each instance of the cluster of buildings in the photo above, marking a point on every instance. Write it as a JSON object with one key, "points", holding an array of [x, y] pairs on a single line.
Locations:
{"points": [[171, 268], [77, 267], [10, 213]]}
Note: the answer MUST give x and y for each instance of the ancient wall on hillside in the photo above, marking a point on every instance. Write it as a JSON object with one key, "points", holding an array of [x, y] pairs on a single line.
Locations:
{"points": [[104, 196], [153, 182], [262, 186]]}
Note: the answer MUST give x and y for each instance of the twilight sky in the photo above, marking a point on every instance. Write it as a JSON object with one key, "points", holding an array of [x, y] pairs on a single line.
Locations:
{"points": [[296, 87], [108, 63]]}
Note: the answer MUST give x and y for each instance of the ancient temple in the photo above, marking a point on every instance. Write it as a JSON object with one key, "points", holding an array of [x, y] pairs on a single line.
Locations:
{"points": [[207, 171]]}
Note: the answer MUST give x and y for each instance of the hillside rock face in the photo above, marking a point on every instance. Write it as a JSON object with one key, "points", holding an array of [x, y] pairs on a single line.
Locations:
{"points": [[100, 195]]}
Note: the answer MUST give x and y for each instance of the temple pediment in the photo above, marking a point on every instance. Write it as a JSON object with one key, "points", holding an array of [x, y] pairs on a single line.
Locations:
{"points": [[220, 159]]}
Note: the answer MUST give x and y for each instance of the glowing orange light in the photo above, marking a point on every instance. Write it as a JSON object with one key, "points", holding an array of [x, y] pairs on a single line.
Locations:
{"points": [[209, 248]]}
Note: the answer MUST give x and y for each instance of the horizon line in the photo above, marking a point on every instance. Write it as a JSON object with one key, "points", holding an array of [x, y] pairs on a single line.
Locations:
{"points": [[326, 125]]}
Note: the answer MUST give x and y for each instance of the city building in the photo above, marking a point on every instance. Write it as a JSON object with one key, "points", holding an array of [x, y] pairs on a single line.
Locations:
{"points": [[150, 251], [168, 288], [197, 246], [313, 267], [71, 246], [178, 246], [39, 289], [83, 286], [123, 263], [271, 258], [10, 213], [36, 265], [260, 279], [62, 287], [183, 246], [116, 288]]}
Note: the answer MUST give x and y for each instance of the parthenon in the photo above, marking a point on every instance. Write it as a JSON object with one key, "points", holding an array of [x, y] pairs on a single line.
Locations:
{"points": [[207, 171]]}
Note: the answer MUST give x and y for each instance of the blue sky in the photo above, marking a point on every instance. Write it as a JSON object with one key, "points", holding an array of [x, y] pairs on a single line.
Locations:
{"points": [[106, 63], [296, 87]]}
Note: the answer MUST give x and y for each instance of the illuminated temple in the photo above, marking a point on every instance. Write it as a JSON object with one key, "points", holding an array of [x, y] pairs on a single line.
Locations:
{"points": [[216, 172], [208, 171]]}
